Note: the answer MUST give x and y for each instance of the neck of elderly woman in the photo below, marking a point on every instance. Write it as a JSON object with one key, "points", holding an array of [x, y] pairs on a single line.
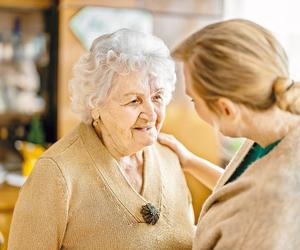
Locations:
{"points": [[131, 164], [118, 153]]}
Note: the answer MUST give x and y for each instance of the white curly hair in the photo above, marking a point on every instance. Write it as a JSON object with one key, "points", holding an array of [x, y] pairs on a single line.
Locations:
{"points": [[119, 53]]}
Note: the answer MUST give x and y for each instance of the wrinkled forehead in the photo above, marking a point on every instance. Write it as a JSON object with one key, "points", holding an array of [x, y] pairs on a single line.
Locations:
{"points": [[135, 81]]}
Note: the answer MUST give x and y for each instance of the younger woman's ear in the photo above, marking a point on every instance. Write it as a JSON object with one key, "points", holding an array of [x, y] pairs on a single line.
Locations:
{"points": [[227, 108]]}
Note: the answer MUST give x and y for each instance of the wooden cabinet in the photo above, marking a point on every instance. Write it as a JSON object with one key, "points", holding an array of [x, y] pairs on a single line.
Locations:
{"points": [[8, 198], [26, 4], [28, 48], [69, 50], [36, 17]]}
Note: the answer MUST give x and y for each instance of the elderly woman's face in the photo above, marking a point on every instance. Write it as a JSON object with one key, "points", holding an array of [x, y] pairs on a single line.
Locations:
{"points": [[133, 112]]}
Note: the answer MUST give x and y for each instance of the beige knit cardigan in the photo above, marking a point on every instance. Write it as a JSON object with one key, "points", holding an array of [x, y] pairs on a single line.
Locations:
{"points": [[261, 209], [77, 198]]}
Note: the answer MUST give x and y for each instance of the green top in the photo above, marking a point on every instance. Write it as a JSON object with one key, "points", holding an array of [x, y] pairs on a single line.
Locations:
{"points": [[256, 152]]}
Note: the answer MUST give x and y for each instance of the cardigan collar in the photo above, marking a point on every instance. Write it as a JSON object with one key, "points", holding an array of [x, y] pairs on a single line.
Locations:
{"points": [[289, 146], [113, 177], [292, 138], [234, 163]]}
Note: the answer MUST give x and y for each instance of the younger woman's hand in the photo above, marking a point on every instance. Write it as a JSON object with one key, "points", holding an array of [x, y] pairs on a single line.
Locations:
{"points": [[182, 152], [203, 170]]}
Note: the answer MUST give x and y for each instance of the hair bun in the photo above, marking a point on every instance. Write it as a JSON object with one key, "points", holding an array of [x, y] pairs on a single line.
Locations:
{"points": [[287, 97], [281, 85]]}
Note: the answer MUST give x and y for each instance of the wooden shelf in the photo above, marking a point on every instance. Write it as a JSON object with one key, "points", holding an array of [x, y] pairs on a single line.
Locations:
{"points": [[25, 4], [9, 196], [177, 8], [103, 3], [8, 118]]}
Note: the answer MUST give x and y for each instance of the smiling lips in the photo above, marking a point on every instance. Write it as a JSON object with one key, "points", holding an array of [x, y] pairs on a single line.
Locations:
{"points": [[144, 128]]}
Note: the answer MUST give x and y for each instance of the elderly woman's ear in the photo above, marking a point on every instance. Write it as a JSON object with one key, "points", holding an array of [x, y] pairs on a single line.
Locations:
{"points": [[111, 56], [95, 113]]}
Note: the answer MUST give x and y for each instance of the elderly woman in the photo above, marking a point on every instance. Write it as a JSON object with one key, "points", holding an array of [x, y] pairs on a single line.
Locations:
{"points": [[108, 184], [237, 75]]}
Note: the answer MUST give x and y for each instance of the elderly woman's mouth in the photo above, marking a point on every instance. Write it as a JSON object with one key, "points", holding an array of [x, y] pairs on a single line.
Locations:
{"points": [[144, 129]]}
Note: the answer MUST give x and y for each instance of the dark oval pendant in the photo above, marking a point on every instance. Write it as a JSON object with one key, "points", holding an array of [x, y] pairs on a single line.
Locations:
{"points": [[150, 213]]}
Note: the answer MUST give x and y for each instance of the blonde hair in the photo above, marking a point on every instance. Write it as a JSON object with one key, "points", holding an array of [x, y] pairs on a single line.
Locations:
{"points": [[242, 61]]}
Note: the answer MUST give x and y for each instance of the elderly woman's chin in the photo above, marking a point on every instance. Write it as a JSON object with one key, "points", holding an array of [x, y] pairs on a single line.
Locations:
{"points": [[146, 136]]}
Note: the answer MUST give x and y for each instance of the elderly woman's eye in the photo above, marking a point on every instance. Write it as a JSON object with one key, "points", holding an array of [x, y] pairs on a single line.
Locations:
{"points": [[135, 101], [158, 98]]}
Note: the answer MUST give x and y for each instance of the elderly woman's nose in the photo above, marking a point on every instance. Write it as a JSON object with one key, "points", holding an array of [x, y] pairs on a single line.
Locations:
{"points": [[148, 112]]}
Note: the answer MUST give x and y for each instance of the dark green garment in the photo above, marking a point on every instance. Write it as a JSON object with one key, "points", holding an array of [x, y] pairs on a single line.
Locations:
{"points": [[255, 153]]}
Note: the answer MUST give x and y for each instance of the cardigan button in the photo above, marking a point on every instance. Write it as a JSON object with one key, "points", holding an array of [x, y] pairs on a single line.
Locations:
{"points": [[150, 213]]}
